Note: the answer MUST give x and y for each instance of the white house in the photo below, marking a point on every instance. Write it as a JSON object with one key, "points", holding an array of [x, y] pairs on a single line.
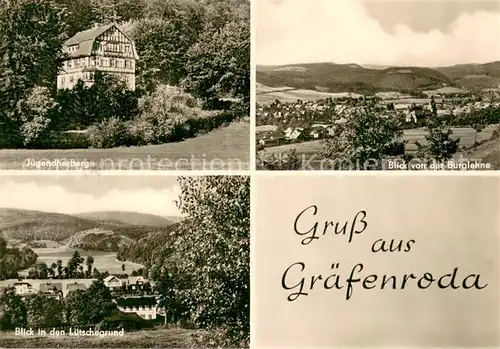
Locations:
{"points": [[145, 307], [135, 281], [23, 288], [296, 133], [112, 282]]}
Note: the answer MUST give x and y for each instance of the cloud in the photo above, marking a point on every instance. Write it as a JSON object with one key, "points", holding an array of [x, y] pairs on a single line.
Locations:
{"points": [[53, 198], [342, 31]]}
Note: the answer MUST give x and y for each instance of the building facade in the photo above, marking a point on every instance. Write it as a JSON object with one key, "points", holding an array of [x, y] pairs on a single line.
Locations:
{"points": [[103, 49], [145, 307], [23, 288]]}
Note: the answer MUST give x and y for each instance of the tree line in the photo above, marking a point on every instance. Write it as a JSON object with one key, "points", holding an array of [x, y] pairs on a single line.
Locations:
{"points": [[80, 307]]}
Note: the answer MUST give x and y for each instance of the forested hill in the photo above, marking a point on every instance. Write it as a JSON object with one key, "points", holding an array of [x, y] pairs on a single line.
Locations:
{"points": [[330, 77], [92, 233], [145, 250]]}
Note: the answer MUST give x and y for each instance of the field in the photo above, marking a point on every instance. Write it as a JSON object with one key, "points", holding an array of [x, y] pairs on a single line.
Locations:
{"points": [[267, 95], [306, 150], [159, 338], [103, 261], [225, 148]]}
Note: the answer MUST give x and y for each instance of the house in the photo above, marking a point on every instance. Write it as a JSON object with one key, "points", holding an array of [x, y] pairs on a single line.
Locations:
{"points": [[74, 287], [145, 307], [104, 49], [135, 282], [52, 289], [23, 288], [411, 116], [296, 133], [112, 282]]}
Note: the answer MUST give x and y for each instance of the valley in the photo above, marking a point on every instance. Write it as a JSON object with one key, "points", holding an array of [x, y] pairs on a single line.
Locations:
{"points": [[102, 235]]}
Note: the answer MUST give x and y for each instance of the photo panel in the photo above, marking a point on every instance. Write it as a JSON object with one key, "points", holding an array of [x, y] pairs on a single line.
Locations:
{"points": [[375, 261], [125, 85], [377, 85], [124, 261]]}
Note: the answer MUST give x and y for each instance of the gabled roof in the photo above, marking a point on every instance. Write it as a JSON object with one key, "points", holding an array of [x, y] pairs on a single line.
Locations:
{"points": [[50, 287], [133, 280], [110, 278], [22, 283], [85, 40], [75, 286], [87, 35]]}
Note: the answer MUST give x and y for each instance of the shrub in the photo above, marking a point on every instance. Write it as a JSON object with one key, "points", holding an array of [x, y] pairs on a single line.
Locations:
{"points": [[62, 140], [496, 133], [216, 338], [109, 133], [163, 115], [288, 161], [34, 111]]}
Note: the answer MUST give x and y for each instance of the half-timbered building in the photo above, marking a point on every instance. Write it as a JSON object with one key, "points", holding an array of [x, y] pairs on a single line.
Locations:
{"points": [[103, 49]]}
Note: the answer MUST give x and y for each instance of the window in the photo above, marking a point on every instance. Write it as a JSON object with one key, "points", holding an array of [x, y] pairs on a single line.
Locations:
{"points": [[112, 62], [128, 64], [70, 64]]}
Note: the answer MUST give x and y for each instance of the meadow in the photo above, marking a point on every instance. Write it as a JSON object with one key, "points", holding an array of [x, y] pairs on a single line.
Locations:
{"points": [[486, 151], [103, 261], [156, 338], [267, 95], [224, 148]]}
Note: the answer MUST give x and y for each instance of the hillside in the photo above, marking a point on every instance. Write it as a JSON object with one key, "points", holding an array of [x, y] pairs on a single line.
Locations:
{"points": [[26, 226], [331, 77], [129, 218], [98, 240], [474, 75], [145, 250]]}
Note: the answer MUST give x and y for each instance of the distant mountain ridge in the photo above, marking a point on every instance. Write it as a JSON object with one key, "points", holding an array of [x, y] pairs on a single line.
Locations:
{"points": [[355, 78], [106, 231], [125, 217]]}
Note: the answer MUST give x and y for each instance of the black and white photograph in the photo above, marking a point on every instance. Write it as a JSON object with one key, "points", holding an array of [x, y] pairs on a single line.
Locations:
{"points": [[124, 84], [122, 261], [377, 85]]}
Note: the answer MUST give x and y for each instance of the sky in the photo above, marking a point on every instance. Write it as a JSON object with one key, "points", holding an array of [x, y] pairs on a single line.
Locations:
{"points": [[400, 33], [91, 193]]}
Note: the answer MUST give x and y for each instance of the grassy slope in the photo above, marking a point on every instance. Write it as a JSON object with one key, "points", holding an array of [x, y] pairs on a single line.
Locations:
{"points": [[213, 151], [160, 338], [488, 152]]}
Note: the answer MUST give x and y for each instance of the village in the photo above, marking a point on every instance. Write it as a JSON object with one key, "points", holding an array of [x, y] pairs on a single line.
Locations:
{"points": [[132, 294], [280, 123]]}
